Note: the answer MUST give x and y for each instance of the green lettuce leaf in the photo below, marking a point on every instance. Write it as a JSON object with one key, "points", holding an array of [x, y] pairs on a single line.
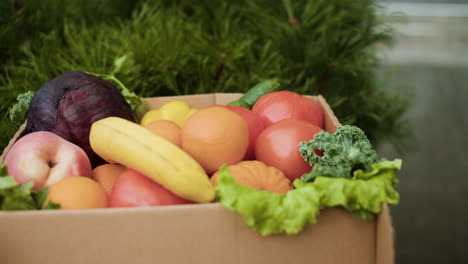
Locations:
{"points": [[270, 213], [363, 194], [14, 196]]}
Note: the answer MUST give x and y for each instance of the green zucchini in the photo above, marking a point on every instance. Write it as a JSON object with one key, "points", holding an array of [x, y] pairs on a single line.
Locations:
{"points": [[259, 90]]}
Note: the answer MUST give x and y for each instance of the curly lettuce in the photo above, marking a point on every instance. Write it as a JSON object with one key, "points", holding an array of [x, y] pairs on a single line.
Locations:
{"points": [[15, 196], [269, 213]]}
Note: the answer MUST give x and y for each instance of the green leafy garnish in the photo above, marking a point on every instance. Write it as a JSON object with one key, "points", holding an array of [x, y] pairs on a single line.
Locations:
{"points": [[15, 196], [40, 198], [345, 151], [363, 194], [270, 213]]}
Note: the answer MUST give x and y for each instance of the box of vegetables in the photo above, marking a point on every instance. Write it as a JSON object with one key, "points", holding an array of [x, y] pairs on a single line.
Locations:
{"points": [[269, 176]]}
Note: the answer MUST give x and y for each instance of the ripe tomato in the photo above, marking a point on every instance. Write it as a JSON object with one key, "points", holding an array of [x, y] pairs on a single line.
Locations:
{"points": [[278, 146], [276, 106], [254, 124], [133, 189]]}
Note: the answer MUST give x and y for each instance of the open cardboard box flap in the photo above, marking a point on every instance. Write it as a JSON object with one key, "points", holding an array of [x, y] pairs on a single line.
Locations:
{"points": [[199, 233]]}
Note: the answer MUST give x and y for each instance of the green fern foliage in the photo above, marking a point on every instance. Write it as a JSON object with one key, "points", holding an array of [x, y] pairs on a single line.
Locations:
{"points": [[175, 47]]}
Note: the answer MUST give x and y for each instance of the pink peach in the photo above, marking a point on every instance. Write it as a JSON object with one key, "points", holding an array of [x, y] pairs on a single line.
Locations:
{"points": [[45, 158]]}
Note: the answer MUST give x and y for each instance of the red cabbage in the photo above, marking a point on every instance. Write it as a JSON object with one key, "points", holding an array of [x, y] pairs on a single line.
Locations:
{"points": [[69, 104]]}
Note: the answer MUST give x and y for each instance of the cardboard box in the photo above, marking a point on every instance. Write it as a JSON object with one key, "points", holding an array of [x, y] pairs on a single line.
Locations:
{"points": [[199, 233]]}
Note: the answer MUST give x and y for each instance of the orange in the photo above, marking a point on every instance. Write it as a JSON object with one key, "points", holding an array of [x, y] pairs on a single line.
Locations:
{"points": [[214, 136], [77, 192], [167, 129], [106, 174]]}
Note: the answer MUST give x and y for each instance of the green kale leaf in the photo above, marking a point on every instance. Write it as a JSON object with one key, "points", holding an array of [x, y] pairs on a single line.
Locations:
{"points": [[344, 152]]}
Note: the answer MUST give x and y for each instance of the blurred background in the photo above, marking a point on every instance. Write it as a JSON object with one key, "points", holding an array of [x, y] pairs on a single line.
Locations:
{"points": [[430, 56]]}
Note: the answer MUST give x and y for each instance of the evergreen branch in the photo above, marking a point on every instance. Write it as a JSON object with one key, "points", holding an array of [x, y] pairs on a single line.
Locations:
{"points": [[19, 110], [175, 47]]}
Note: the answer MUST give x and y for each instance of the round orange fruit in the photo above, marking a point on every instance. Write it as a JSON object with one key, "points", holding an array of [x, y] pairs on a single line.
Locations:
{"points": [[167, 129], [214, 136], [106, 174], [77, 192]]}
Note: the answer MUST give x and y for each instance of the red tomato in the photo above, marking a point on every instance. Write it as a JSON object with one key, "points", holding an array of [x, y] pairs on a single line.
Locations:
{"points": [[276, 106], [133, 189], [278, 146], [254, 124]]}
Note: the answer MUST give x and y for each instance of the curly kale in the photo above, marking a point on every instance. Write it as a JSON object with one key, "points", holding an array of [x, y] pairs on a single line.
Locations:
{"points": [[345, 151]]}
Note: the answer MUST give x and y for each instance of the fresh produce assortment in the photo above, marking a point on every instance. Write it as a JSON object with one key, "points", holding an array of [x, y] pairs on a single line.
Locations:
{"points": [[342, 153], [118, 140], [271, 213], [133, 189], [256, 174], [251, 96], [214, 136], [107, 174], [68, 104], [277, 106], [254, 125], [265, 156], [43, 158], [278, 145], [77, 192], [167, 129], [176, 111]]}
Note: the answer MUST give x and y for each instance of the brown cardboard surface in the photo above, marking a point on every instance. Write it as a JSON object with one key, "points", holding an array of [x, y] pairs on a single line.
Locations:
{"points": [[385, 237], [206, 233], [176, 234]]}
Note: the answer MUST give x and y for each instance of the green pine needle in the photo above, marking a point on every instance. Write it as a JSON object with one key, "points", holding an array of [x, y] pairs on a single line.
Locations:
{"points": [[178, 47]]}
